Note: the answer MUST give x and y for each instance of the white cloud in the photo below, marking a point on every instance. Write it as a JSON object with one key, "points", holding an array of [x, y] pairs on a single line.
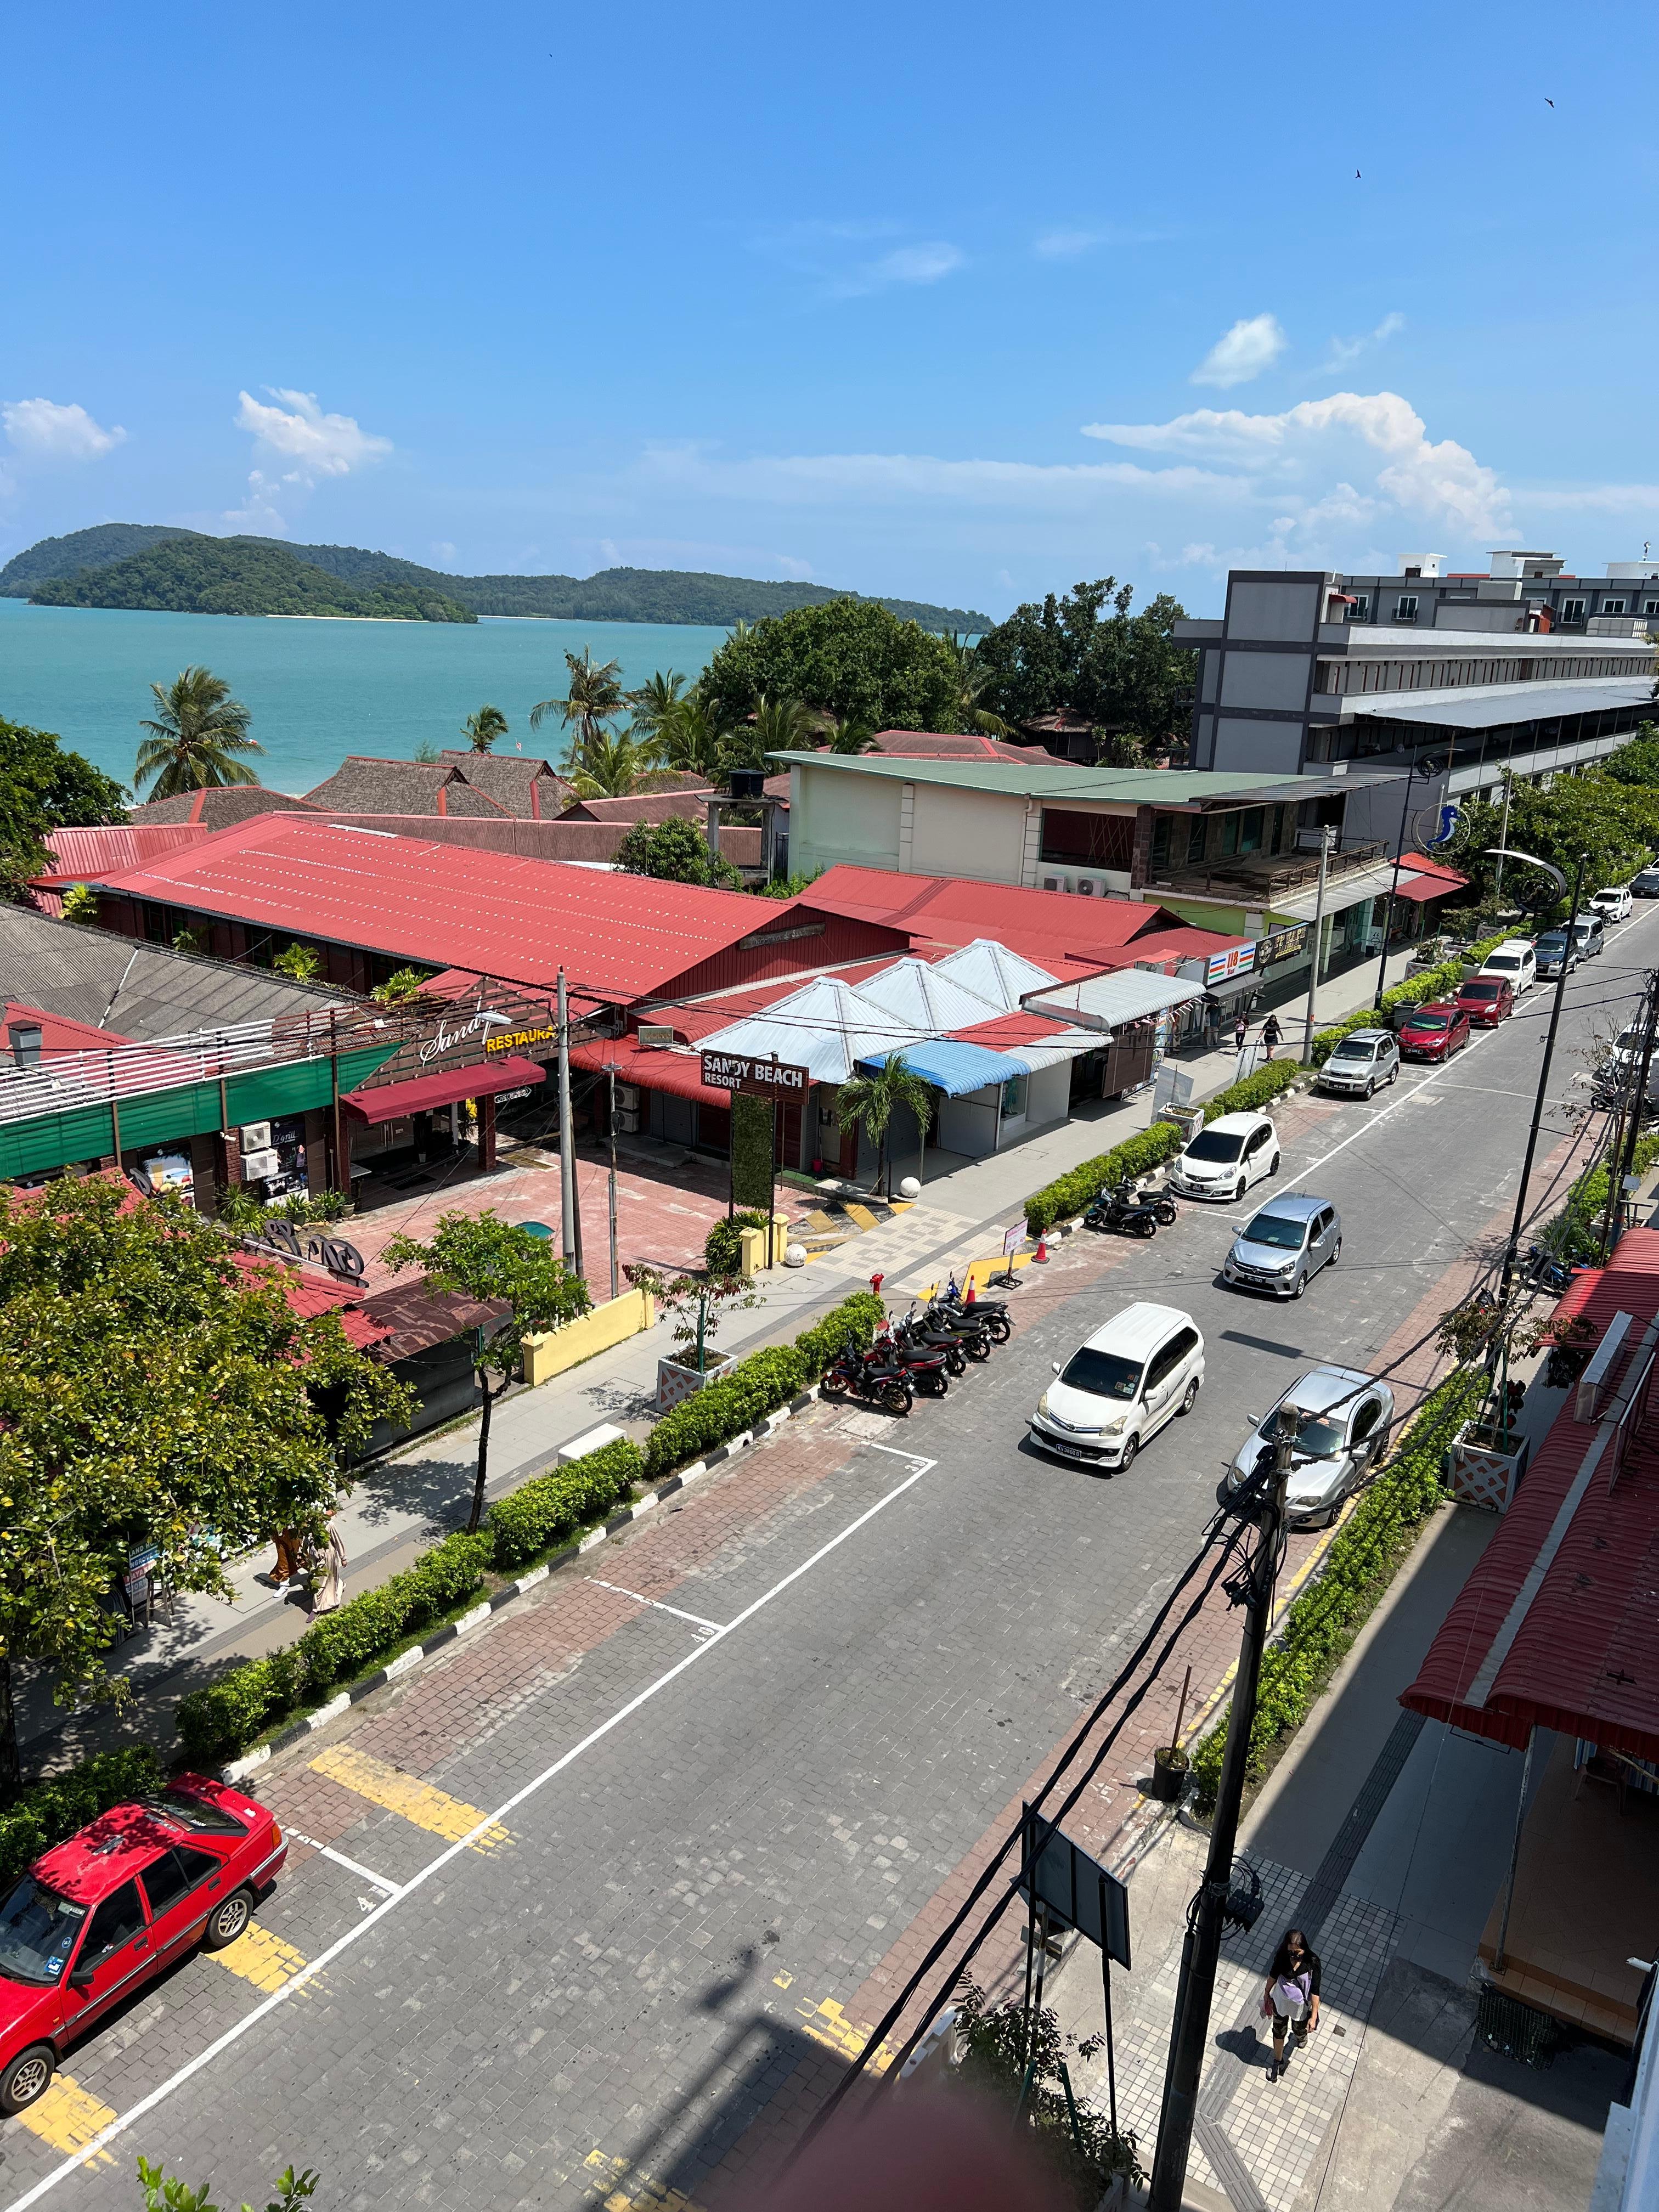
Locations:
{"points": [[1253, 343], [1064, 245], [319, 445], [905, 264], [443, 550], [1346, 351], [258, 514], [45, 430]]}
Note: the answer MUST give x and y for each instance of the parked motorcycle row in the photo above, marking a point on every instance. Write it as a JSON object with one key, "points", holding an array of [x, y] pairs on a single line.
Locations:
{"points": [[924, 1352], [1130, 1211]]}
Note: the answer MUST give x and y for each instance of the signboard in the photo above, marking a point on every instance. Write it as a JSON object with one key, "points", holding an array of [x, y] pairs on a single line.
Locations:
{"points": [[522, 1040], [1012, 1239], [140, 1563], [655, 1034], [755, 1078], [506, 1097], [1077, 1890], [1237, 960], [1281, 945]]}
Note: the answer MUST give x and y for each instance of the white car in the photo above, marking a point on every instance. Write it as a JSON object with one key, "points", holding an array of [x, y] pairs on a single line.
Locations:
{"points": [[1614, 904], [1224, 1160], [1516, 961], [1346, 1417], [1141, 1370]]}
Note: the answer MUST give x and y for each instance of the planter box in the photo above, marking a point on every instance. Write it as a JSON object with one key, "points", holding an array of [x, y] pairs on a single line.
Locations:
{"points": [[675, 1383], [1480, 1474]]}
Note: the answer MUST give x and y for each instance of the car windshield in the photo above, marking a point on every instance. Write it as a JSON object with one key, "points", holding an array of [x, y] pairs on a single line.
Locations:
{"points": [[1431, 1021], [38, 1929], [1277, 1230], [1354, 1048], [1507, 962], [1479, 990], [1102, 1373], [1315, 1439], [1210, 1145], [188, 1812], [1583, 928], [1553, 943]]}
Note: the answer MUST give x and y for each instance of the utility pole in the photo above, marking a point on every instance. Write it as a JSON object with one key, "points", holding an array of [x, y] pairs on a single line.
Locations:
{"points": [[566, 1140], [1201, 1950], [1428, 770], [1326, 836], [1639, 1100], [615, 1288], [1513, 1248]]}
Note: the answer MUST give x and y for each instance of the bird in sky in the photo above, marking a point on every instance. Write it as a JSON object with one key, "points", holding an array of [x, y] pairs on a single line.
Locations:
{"points": [[1356, 176], [1548, 102]]}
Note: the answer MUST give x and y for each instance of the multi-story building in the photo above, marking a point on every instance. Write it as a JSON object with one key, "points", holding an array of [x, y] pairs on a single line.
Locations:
{"points": [[1523, 670]]}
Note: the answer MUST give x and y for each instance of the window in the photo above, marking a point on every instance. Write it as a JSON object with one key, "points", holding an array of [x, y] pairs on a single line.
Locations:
{"points": [[1196, 829], [116, 1921], [1160, 844], [1165, 1363], [1613, 606], [1250, 827], [1361, 608], [1366, 1418], [1405, 607], [1258, 1138], [1102, 1374], [38, 1929], [165, 1883], [1087, 841], [1651, 606], [1013, 1097], [1572, 611]]}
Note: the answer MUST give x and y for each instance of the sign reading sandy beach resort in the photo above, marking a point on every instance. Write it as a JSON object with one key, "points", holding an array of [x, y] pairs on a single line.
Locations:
{"points": [[758, 1079]]}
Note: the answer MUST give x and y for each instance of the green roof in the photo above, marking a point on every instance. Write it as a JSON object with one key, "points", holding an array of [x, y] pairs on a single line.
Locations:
{"points": [[1053, 778]]}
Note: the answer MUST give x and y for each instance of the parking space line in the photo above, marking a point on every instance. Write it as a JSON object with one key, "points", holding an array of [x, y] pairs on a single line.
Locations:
{"points": [[416, 1802], [351, 1865], [259, 1957], [65, 2117], [695, 1619]]}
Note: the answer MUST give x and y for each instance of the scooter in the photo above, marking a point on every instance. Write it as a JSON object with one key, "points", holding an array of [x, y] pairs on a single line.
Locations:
{"points": [[1545, 1272], [925, 1364], [1116, 1209], [974, 1336], [869, 1377], [991, 1312], [911, 1330]]}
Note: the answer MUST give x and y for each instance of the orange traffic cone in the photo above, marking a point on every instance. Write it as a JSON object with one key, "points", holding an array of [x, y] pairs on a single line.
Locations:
{"points": [[972, 1291], [1040, 1257]]}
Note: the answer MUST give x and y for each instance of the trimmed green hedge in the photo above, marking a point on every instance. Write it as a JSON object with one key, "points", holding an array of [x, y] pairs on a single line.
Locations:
{"points": [[1254, 1092], [550, 1510], [1575, 1233], [1415, 991], [45, 1814], [1324, 1619]]}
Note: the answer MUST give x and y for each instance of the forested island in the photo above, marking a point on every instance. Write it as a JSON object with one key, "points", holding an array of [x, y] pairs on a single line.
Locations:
{"points": [[135, 564]]}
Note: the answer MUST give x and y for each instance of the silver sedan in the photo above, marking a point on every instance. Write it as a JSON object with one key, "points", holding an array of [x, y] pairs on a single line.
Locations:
{"points": [[1285, 1246], [1344, 1418]]}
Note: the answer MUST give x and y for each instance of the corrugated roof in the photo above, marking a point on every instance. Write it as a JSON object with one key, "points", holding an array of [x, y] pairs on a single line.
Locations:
{"points": [[78, 854], [993, 972], [1126, 787], [950, 1066], [826, 1026], [1032, 1040], [926, 998], [1492, 706], [1110, 1000], [956, 909]]}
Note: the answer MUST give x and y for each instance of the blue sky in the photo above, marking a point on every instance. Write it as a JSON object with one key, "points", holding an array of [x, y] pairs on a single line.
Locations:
{"points": [[964, 304]]}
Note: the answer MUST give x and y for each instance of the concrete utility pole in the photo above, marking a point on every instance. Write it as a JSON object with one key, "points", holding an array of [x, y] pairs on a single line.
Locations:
{"points": [[1206, 1916], [1326, 836], [616, 1286], [567, 1137], [1512, 1250]]}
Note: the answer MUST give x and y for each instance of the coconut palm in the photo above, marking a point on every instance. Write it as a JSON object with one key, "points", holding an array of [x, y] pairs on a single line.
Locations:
{"points": [[657, 700], [198, 731], [973, 680], [849, 734], [595, 697], [482, 729], [777, 725], [867, 1102], [690, 741], [612, 764]]}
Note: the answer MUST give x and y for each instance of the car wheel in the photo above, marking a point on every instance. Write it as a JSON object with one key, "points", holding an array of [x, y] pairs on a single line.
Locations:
{"points": [[1191, 1398], [1371, 1090], [1243, 1186], [227, 1919], [1131, 1446], [1273, 1168], [1336, 1253], [1393, 1072], [1300, 1285], [27, 2077]]}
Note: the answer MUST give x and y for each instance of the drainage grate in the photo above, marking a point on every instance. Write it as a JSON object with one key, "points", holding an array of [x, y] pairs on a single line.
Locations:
{"points": [[1503, 2024]]}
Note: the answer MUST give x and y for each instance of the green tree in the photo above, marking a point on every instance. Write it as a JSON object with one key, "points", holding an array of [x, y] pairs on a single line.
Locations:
{"points": [[975, 678], [403, 984], [690, 741], [1617, 823], [594, 697], [869, 1102], [152, 1393], [1637, 762], [194, 739], [484, 1257], [303, 963], [482, 728], [848, 656], [44, 786], [163, 2195], [775, 726], [848, 733], [611, 764], [674, 851], [1086, 654], [657, 700]]}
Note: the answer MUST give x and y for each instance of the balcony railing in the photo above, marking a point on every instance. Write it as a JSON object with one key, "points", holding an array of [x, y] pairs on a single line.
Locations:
{"points": [[1257, 878]]}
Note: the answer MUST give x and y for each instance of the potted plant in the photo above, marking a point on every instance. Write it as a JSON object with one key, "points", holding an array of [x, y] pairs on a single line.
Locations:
{"points": [[698, 1305], [1170, 1764]]}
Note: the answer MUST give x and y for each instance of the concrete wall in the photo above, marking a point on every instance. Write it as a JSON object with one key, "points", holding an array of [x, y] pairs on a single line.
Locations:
{"points": [[553, 1350], [836, 816], [970, 1125], [967, 833], [1252, 748]]}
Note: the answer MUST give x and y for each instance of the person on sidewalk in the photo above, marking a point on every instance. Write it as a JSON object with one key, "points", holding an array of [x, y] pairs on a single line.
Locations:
{"points": [[1241, 1030], [1272, 1035], [331, 1565], [1292, 1996], [286, 1569]]}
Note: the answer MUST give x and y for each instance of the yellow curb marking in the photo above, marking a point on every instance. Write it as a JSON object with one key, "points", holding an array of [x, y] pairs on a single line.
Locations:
{"points": [[981, 1271], [862, 1214], [783, 1981], [260, 1957], [68, 2118], [828, 2025], [639, 2194], [382, 1783]]}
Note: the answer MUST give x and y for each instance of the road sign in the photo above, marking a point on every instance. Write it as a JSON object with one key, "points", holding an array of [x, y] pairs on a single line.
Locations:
{"points": [[1011, 1241], [757, 1079], [1077, 1890]]}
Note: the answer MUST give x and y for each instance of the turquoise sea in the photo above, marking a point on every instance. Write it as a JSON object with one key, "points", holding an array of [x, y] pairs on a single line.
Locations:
{"points": [[317, 690]]}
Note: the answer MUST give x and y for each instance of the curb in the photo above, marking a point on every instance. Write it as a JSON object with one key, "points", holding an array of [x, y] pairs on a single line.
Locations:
{"points": [[238, 1770]]}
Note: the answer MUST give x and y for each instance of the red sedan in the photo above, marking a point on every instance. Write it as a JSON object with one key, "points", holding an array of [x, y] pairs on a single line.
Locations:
{"points": [[1435, 1032], [1487, 999], [97, 1917]]}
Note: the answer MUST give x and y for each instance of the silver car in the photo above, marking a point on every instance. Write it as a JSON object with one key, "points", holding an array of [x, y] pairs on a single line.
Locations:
{"points": [[1345, 1421], [1361, 1063], [1285, 1245]]}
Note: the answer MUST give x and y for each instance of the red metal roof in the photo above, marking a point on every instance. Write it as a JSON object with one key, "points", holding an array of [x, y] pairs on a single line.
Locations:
{"points": [[307, 1295], [1557, 1626], [391, 1102], [413, 898], [58, 1032], [1009, 1031], [1045, 926], [680, 1073], [78, 854]]}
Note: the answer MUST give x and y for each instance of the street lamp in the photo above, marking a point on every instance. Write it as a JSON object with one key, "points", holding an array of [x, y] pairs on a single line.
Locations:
{"points": [[1428, 770], [1501, 852]]}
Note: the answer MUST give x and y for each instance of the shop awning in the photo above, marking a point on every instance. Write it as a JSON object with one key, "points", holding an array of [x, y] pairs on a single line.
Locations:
{"points": [[1420, 889], [394, 1101], [653, 1067], [951, 1066], [1104, 1002], [1034, 1043]]}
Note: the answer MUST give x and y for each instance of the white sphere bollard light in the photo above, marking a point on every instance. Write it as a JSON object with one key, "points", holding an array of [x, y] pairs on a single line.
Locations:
{"points": [[909, 1188], [794, 1255]]}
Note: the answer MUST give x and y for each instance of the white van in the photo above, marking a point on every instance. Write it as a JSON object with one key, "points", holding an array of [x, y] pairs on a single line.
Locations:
{"points": [[1516, 962], [1114, 1392]]}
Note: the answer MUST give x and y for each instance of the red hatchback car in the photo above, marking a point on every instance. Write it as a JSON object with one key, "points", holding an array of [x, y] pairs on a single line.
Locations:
{"points": [[1487, 999], [1435, 1032], [97, 1917]]}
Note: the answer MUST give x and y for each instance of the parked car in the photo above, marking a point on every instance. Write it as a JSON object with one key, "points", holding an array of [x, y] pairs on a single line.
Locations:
{"points": [[1285, 1246], [1614, 904], [1591, 935], [1487, 1000], [127, 1895], [1141, 1370], [1361, 1062], [1515, 960], [1346, 1420], [1224, 1160], [1646, 884], [1555, 949], [1435, 1032]]}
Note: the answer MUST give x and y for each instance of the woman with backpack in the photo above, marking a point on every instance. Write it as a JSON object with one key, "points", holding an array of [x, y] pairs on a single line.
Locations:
{"points": [[1292, 1996]]}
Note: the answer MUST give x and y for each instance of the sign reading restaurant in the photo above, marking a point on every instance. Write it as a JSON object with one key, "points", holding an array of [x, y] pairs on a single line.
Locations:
{"points": [[757, 1079], [518, 1040]]}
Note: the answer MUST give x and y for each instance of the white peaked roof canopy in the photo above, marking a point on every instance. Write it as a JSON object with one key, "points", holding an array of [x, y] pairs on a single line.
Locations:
{"points": [[993, 972], [826, 1025], [917, 992], [1105, 1002]]}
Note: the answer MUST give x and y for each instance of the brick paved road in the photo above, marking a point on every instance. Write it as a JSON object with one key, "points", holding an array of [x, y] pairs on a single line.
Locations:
{"points": [[718, 1846]]}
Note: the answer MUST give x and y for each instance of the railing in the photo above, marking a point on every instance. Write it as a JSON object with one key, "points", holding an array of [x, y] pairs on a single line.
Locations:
{"points": [[1272, 877]]}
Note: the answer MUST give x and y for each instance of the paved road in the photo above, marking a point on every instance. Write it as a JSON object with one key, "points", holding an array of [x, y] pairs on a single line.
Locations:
{"points": [[732, 1762]]}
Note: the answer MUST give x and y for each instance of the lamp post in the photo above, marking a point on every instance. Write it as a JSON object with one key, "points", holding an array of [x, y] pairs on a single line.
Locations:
{"points": [[1502, 853], [1428, 770]]}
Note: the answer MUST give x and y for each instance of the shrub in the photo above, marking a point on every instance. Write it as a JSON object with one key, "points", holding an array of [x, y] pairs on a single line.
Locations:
{"points": [[854, 1321], [549, 1511], [1254, 1091], [1077, 1189], [1324, 1619], [722, 1250], [1575, 1233], [50, 1810]]}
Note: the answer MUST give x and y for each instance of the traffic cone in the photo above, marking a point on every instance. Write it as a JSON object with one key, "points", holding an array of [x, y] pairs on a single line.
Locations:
{"points": [[972, 1291], [1040, 1257]]}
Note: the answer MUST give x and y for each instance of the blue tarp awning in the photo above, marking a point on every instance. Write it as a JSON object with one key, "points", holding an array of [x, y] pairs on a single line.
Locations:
{"points": [[951, 1066]]}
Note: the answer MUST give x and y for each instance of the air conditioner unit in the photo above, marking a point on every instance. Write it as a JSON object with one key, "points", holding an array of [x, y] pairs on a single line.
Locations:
{"points": [[1055, 883], [1091, 887], [256, 1166], [627, 1120], [255, 1136], [628, 1096]]}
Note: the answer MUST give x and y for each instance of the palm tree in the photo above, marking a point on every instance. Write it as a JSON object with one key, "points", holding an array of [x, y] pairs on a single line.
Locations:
{"points": [[851, 733], [973, 680], [690, 741], [657, 700], [193, 741], [612, 764], [481, 730], [777, 725], [595, 694], [867, 1103]]}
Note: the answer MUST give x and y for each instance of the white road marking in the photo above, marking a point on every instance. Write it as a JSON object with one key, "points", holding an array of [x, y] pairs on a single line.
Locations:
{"points": [[695, 1619], [364, 1873], [234, 2034]]}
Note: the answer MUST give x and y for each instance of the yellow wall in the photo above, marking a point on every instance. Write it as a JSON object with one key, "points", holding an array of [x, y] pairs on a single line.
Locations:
{"points": [[556, 1350]]}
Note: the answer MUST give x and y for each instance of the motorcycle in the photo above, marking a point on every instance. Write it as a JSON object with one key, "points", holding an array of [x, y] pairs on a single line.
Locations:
{"points": [[1545, 1272], [867, 1376], [991, 1312], [910, 1330], [925, 1364], [1135, 1215], [974, 1336]]}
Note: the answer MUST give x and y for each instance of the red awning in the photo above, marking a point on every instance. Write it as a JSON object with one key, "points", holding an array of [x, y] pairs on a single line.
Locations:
{"points": [[1422, 888], [392, 1102], [656, 1067]]}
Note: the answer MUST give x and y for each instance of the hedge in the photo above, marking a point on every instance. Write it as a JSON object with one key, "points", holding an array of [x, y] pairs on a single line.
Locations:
{"points": [[1575, 1233], [1323, 1620], [550, 1510], [1415, 991], [1254, 1091], [45, 1814]]}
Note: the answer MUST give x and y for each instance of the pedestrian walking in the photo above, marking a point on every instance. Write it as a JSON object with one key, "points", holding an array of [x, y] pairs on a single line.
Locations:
{"points": [[1271, 1034], [1241, 1030], [1290, 1998], [331, 1562], [288, 1560]]}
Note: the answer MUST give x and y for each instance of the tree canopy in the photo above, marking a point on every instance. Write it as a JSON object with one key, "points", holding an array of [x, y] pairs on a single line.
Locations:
{"points": [[1087, 656], [1616, 822], [848, 658], [674, 851], [45, 787], [239, 576]]}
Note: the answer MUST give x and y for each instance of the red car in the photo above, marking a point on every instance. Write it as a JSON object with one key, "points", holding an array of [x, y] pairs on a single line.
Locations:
{"points": [[1487, 999], [1435, 1032], [97, 1917]]}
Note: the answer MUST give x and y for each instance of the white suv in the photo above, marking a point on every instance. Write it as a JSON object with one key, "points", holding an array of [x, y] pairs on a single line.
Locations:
{"points": [[1614, 904], [1141, 1370], [1515, 960], [1224, 1160]]}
